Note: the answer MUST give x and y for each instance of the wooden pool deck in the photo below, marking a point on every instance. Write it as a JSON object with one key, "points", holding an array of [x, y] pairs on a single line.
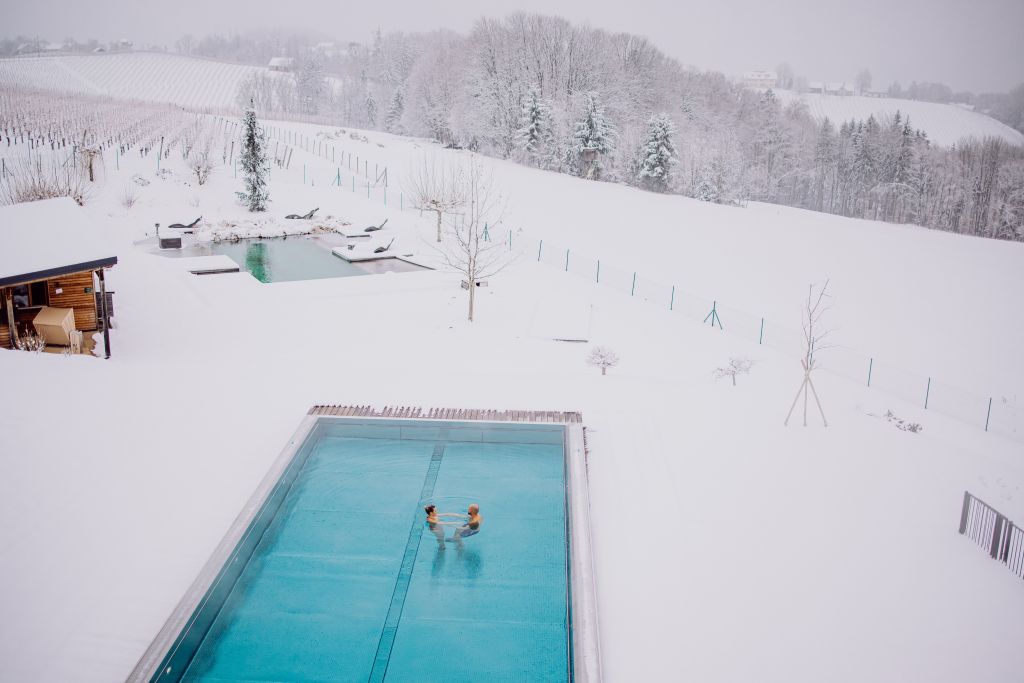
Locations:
{"points": [[552, 416]]}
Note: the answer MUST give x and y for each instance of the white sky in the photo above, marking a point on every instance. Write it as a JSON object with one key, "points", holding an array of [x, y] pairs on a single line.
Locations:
{"points": [[967, 44]]}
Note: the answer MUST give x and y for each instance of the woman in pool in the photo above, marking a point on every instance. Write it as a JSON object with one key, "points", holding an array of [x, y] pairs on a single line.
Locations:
{"points": [[472, 525], [435, 524]]}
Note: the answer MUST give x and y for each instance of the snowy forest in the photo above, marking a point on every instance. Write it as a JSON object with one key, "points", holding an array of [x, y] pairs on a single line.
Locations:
{"points": [[613, 107]]}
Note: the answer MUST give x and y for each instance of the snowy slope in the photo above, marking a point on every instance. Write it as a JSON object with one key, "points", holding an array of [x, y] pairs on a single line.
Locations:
{"points": [[154, 77], [945, 124], [727, 547]]}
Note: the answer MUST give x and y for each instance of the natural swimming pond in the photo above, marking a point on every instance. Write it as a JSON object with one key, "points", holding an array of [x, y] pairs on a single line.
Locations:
{"points": [[283, 259], [338, 578]]}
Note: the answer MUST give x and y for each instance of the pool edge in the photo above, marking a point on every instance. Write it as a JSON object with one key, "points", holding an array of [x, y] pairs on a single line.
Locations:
{"points": [[165, 639], [584, 629]]}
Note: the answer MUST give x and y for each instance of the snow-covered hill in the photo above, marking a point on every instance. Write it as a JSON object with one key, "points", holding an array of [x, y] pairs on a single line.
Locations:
{"points": [[154, 77], [945, 124], [727, 546]]}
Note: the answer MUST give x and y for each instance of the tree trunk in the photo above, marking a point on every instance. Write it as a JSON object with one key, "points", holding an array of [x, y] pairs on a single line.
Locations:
{"points": [[472, 296], [604, 370], [439, 233]]}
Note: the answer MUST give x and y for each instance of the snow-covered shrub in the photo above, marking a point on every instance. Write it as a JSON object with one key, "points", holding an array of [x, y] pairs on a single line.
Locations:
{"points": [[903, 425], [31, 342], [602, 357], [43, 177], [129, 196], [736, 366]]}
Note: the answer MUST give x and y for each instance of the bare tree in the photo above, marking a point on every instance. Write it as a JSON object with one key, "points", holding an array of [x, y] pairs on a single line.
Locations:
{"points": [[436, 186], [736, 366], [469, 250], [603, 357], [814, 335]]}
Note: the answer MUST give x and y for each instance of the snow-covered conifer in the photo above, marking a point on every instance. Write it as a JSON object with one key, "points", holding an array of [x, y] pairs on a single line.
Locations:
{"points": [[253, 160], [657, 154], [593, 138], [393, 117], [535, 136]]}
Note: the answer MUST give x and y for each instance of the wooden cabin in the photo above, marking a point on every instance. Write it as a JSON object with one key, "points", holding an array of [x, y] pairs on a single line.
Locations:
{"points": [[52, 260]]}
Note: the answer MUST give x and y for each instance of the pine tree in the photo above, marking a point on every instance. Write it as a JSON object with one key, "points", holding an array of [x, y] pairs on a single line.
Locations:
{"points": [[310, 84], [535, 137], [254, 162], [657, 154], [593, 138], [393, 117], [371, 109]]}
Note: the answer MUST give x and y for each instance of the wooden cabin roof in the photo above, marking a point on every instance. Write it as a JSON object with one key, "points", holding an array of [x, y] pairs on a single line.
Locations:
{"points": [[49, 238]]}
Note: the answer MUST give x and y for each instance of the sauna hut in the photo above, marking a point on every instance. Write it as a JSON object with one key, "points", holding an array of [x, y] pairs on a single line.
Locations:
{"points": [[52, 262]]}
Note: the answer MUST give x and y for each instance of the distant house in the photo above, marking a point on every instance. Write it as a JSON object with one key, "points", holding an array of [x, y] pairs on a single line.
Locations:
{"points": [[52, 47], [840, 88], [281, 64], [123, 44], [100, 50], [835, 88], [875, 93], [52, 284], [760, 79]]}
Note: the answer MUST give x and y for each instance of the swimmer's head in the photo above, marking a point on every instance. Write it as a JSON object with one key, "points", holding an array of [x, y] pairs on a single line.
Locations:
{"points": [[474, 509], [429, 509]]}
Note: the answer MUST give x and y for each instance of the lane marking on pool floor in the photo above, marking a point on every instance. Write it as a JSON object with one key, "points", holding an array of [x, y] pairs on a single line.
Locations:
{"points": [[412, 547]]}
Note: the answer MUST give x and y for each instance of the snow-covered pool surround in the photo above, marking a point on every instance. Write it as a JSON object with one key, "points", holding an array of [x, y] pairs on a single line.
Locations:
{"points": [[584, 652]]}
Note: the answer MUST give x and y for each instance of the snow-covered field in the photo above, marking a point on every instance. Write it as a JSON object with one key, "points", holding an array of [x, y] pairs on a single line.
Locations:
{"points": [[945, 124], [151, 77], [728, 547]]}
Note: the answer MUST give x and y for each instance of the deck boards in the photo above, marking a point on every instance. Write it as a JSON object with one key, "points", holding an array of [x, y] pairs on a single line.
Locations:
{"points": [[464, 414]]}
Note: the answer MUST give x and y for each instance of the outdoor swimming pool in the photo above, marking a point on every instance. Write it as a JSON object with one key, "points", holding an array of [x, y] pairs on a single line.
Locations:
{"points": [[337, 578], [294, 258]]}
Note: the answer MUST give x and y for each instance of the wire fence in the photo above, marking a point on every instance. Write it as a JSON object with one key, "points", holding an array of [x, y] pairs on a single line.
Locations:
{"points": [[997, 413], [993, 412]]}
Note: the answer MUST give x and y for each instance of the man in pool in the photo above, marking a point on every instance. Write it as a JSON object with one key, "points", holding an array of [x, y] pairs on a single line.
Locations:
{"points": [[471, 527]]}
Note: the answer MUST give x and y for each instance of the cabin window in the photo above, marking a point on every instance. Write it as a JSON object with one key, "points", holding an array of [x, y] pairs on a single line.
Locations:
{"points": [[30, 296]]}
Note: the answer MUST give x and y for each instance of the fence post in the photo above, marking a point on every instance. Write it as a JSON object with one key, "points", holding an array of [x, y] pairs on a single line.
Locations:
{"points": [[997, 536], [927, 392], [871, 365], [385, 195], [760, 338], [672, 301], [989, 413], [539, 248], [632, 291], [401, 201], [353, 184], [598, 280], [964, 512], [567, 260]]}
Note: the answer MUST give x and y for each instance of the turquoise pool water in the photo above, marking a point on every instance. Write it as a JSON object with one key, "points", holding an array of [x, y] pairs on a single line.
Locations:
{"points": [[293, 258], [346, 583]]}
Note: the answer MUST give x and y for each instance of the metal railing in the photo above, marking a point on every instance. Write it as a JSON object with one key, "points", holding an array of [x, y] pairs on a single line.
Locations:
{"points": [[990, 529]]}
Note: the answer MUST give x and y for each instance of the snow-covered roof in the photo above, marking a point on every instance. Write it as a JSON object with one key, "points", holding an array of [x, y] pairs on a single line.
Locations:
{"points": [[49, 238], [760, 75], [281, 61]]}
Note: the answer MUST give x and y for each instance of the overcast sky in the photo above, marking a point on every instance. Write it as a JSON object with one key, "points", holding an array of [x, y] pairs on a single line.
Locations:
{"points": [[967, 44]]}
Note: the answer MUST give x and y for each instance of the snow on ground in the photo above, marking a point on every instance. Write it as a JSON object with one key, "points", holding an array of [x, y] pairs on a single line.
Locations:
{"points": [[728, 547], [945, 124]]}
